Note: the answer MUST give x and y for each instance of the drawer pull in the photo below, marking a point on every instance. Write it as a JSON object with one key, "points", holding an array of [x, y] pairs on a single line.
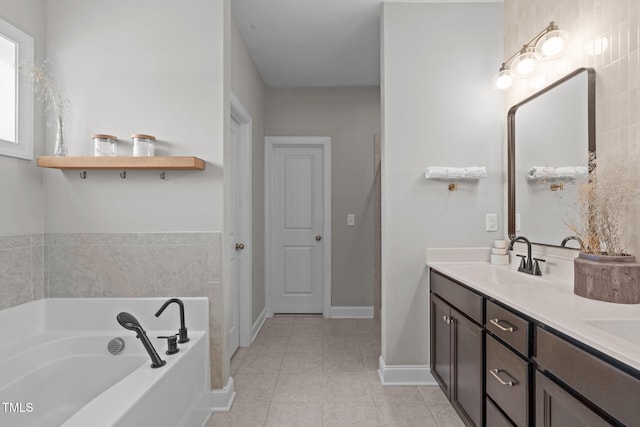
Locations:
{"points": [[509, 383], [509, 328]]}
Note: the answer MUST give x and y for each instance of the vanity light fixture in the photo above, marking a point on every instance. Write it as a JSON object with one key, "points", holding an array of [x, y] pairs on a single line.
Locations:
{"points": [[546, 45]]}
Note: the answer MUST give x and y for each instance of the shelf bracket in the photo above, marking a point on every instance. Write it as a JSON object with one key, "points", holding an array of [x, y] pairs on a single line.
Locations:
{"points": [[162, 175], [123, 174], [83, 175]]}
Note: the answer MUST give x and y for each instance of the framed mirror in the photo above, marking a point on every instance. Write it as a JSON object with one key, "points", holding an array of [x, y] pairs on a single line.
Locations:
{"points": [[550, 136]]}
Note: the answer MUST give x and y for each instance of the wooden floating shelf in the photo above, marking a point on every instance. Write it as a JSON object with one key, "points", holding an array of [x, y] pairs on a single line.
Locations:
{"points": [[121, 163]]}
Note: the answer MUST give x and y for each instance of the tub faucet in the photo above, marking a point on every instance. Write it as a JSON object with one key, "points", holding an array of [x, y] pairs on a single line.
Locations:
{"points": [[182, 332], [528, 264], [129, 322]]}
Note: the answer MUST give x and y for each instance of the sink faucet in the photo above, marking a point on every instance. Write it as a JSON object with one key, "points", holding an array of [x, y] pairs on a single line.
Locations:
{"points": [[528, 264], [128, 321], [182, 332], [567, 239]]}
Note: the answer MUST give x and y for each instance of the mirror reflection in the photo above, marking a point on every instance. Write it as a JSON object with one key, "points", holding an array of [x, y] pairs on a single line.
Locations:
{"points": [[550, 136]]}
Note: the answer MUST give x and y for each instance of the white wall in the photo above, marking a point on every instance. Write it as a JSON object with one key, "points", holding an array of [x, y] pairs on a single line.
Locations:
{"points": [[438, 110], [20, 180], [148, 66], [351, 117], [247, 85]]}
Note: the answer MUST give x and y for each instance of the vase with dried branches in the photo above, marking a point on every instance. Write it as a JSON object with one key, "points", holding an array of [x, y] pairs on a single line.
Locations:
{"points": [[52, 97], [604, 270]]}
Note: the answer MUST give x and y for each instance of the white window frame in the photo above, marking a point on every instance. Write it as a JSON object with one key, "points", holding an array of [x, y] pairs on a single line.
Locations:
{"points": [[23, 147]]}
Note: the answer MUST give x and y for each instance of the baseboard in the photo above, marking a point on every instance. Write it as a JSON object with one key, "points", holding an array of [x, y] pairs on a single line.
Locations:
{"points": [[222, 399], [352, 312], [410, 375], [257, 325]]}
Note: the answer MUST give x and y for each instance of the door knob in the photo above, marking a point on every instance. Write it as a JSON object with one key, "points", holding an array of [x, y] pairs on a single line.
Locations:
{"points": [[318, 238], [239, 246]]}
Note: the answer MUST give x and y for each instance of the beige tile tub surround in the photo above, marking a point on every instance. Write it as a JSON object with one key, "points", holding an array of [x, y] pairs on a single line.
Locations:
{"points": [[21, 269], [617, 71], [310, 371], [117, 265]]}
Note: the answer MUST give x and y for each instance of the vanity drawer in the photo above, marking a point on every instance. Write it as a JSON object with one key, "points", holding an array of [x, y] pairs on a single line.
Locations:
{"points": [[604, 385], [508, 381], [509, 327], [463, 299], [495, 418]]}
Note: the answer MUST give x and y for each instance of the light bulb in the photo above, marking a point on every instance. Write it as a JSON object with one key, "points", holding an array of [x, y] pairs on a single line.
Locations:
{"points": [[503, 80], [525, 63], [552, 44]]}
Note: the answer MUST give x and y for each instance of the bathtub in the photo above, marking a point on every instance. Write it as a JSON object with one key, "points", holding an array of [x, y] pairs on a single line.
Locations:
{"points": [[55, 369]]}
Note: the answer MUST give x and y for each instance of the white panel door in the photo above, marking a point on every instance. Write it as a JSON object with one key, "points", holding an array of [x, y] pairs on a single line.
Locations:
{"points": [[297, 221], [233, 334]]}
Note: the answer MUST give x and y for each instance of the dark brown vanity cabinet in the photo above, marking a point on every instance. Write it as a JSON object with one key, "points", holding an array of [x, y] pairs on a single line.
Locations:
{"points": [[501, 368], [508, 367], [457, 347], [555, 407], [594, 390]]}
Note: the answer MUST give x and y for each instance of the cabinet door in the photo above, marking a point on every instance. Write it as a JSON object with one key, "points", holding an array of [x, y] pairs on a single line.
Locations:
{"points": [[441, 344], [495, 418], [467, 392], [557, 408]]}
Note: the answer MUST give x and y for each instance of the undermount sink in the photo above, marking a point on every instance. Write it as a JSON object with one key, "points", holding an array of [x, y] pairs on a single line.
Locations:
{"points": [[627, 329], [500, 275]]}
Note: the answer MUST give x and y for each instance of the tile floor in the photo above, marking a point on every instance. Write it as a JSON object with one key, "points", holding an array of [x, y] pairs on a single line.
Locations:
{"points": [[310, 371]]}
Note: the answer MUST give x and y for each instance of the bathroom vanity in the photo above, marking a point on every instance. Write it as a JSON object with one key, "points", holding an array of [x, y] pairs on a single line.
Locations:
{"points": [[509, 349]]}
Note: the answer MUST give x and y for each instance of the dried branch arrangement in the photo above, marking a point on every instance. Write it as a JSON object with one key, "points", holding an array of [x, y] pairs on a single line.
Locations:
{"points": [[47, 90], [601, 205]]}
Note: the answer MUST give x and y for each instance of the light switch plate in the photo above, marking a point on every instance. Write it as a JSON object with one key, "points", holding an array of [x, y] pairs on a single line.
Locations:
{"points": [[491, 222], [351, 220]]}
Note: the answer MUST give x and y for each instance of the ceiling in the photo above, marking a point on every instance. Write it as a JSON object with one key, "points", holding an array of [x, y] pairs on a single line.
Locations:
{"points": [[314, 42]]}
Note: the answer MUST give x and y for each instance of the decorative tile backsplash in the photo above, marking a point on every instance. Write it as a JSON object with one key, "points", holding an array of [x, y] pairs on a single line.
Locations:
{"points": [[589, 22], [117, 265]]}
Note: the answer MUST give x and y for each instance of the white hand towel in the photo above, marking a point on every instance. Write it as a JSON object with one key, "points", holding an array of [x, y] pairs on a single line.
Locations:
{"points": [[538, 172], [571, 172], [435, 172], [476, 172], [456, 172]]}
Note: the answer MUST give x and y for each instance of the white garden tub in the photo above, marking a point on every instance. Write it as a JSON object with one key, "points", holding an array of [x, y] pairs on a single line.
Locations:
{"points": [[55, 369]]}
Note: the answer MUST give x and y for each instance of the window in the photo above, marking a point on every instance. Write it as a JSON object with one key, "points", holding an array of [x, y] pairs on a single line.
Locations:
{"points": [[8, 95], [16, 93]]}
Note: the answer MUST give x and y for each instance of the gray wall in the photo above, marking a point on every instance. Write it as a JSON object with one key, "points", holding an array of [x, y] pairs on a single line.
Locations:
{"points": [[20, 180], [247, 85], [124, 72], [351, 117], [438, 110], [149, 66]]}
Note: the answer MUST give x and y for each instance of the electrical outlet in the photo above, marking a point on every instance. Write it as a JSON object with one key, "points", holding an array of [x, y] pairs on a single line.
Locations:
{"points": [[351, 220], [491, 222], [517, 222]]}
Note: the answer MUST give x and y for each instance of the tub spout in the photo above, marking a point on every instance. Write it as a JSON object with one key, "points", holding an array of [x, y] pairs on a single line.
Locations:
{"points": [[128, 321], [182, 332]]}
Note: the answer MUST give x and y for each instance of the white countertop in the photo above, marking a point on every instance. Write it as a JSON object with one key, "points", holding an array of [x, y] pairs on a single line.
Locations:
{"points": [[548, 299]]}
